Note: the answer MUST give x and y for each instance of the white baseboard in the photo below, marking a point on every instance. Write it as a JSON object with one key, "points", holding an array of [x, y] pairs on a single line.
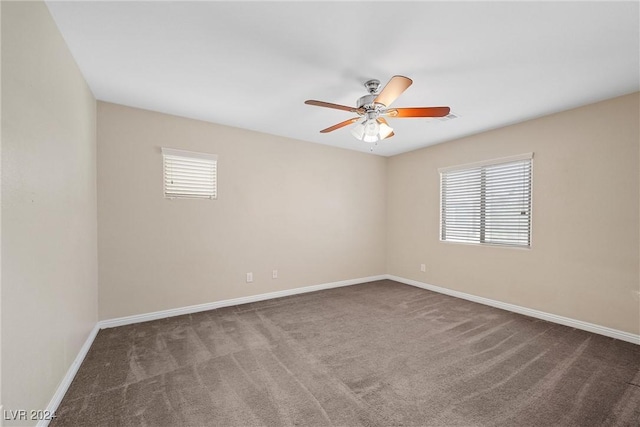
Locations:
{"points": [[52, 407], [566, 321], [121, 321], [110, 323]]}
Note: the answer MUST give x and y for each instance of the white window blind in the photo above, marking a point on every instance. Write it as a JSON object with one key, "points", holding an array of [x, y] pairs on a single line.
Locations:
{"points": [[487, 202], [189, 174]]}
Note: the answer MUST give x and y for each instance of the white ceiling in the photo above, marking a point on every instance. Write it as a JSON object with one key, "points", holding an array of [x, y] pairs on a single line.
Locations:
{"points": [[253, 64]]}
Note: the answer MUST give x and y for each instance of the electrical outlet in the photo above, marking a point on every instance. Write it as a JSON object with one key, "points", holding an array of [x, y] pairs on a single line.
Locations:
{"points": [[423, 267], [274, 274], [249, 277]]}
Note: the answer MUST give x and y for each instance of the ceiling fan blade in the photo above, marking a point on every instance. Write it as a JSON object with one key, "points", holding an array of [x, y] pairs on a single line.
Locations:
{"points": [[393, 90], [340, 125], [418, 112], [330, 105]]}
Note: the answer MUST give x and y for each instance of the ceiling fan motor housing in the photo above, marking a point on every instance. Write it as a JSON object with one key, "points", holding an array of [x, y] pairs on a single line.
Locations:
{"points": [[367, 102]]}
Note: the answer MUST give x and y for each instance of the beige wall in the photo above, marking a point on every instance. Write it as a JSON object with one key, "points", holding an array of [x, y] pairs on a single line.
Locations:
{"points": [[583, 263], [49, 249], [0, 209], [314, 213]]}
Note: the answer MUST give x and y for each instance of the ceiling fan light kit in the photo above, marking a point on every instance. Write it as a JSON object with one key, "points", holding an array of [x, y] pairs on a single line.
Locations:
{"points": [[370, 130], [367, 131], [373, 106]]}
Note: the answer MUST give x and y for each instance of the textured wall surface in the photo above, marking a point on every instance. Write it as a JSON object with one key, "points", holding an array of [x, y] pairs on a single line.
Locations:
{"points": [[315, 213], [583, 262], [49, 217]]}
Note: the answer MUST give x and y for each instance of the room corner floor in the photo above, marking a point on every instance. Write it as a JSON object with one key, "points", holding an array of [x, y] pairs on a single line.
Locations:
{"points": [[376, 354]]}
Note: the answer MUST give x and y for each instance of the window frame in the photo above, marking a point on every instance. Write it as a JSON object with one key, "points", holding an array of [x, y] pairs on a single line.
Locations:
{"points": [[189, 156], [482, 164]]}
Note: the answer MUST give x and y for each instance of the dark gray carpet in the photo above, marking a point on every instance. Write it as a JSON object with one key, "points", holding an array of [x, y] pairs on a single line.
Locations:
{"points": [[377, 354]]}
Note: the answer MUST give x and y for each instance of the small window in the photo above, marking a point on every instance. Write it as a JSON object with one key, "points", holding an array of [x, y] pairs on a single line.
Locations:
{"points": [[487, 202], [189, 175]]}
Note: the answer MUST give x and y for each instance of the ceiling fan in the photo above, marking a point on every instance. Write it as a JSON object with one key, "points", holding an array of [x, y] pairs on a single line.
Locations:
{"points": [[373, 107]]}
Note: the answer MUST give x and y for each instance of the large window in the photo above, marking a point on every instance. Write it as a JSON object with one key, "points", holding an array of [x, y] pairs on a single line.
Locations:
{"points": [[189, 175], [487, 202]]}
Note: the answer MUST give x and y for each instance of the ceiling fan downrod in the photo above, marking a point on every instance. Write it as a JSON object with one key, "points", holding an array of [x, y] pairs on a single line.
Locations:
{"points": [[366, 102]]}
